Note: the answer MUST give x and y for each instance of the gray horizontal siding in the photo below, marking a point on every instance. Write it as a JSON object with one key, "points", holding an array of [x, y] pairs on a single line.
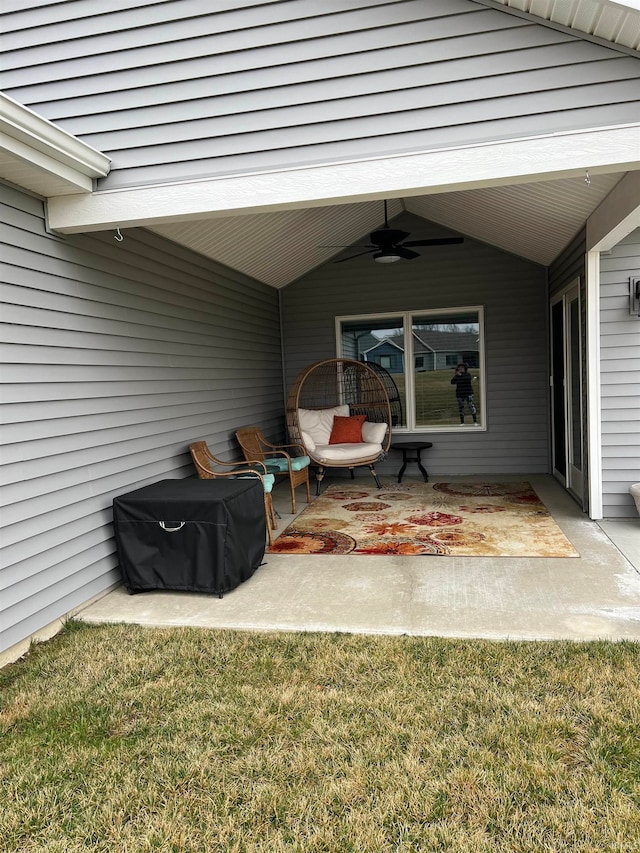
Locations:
{"points": [[620, 378], [569, 265], [172, 90], [514, 295], [115, 357]]}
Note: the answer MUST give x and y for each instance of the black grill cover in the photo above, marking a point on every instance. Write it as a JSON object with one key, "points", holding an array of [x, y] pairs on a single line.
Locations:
{"points": [[195, 535]]}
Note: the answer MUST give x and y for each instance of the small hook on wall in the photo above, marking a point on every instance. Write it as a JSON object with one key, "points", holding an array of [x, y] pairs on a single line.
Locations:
{"points": [[118, 236], [587, 179]]}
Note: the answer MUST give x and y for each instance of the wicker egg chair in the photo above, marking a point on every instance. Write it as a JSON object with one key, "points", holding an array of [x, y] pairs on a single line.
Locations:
{"points": [[395, 400], [339, 387]]}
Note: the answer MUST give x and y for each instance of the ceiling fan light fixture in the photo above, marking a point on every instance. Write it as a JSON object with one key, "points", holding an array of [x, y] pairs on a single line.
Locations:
{"points": [[389, 257]]}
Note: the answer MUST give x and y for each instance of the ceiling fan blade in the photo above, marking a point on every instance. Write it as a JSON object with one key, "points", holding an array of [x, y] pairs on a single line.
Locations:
{"points": [[351, 257], [407, 254], [436, 241]]}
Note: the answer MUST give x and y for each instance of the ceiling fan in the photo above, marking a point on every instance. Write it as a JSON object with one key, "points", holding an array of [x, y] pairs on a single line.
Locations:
{"points": [[390, 244]]}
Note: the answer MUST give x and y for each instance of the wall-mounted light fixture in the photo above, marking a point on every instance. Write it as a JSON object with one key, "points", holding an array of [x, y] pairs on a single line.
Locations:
{"points": [[634, 297]]}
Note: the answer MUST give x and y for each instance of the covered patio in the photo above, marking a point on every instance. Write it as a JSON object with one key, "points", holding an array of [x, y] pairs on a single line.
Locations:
{"points": [[596, 596], [192, 218]]}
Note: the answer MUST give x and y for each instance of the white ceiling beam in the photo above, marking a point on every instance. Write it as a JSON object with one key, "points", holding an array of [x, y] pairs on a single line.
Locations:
{"points": [[539, 158], [616, 216]]}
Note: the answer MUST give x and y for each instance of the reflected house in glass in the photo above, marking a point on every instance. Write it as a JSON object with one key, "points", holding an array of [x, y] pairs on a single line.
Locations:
{"points": [[432, 350]]}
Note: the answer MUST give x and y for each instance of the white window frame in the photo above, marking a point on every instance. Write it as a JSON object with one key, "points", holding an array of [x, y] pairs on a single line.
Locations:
{"points": [[407, 318]]}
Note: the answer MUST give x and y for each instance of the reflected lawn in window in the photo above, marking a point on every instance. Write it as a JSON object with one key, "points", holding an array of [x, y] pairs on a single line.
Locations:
{"points": [[436, 404]]}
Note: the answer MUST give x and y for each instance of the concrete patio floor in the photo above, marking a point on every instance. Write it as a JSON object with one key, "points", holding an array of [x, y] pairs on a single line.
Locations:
{"points": [[595, 596]]}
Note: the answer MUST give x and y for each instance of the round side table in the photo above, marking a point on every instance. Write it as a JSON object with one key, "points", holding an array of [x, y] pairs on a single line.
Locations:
{"points": [[414, 448]]}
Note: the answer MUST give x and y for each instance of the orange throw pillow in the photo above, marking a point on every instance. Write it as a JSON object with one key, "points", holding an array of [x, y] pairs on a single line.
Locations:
{"points": [[347, 430]]}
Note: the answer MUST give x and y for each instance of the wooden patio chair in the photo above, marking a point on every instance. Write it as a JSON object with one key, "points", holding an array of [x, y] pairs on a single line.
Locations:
{"points": [[209, 467], [278, 461], [340, 395]]}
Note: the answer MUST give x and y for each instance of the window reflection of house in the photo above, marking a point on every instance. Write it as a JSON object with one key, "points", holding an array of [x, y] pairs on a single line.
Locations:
{"points": [[432, 350], [388, 353]]}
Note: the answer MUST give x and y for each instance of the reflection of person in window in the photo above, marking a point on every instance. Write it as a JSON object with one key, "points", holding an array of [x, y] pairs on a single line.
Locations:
{"points": [[464, 392]]}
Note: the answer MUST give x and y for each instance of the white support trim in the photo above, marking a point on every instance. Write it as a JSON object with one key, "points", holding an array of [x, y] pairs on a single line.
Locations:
{"points": [[543, 157], [594, 402]]}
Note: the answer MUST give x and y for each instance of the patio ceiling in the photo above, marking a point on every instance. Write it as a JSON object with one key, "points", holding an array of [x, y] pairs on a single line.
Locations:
{"points": [[534, 220]]}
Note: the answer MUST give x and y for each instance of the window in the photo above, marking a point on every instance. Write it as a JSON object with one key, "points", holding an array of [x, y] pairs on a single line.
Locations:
{"points": [[419, 352]]}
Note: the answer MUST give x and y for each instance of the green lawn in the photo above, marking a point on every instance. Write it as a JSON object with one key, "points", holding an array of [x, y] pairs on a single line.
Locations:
{"points": [[127, 739], [436, 398]]}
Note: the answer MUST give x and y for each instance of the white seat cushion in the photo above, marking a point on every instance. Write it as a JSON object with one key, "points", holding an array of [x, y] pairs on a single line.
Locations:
{"points": [[346, 452]]}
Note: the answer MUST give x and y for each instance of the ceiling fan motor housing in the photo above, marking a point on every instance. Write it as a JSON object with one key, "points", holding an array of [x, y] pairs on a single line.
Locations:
{"points": [[388, 236]]}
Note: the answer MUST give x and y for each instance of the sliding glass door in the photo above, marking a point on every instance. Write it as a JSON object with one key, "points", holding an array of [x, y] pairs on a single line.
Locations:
{"points": [[566, 390]]}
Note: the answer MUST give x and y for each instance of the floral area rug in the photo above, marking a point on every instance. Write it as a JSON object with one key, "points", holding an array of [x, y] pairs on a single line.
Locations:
{"points": [[467, 519]]}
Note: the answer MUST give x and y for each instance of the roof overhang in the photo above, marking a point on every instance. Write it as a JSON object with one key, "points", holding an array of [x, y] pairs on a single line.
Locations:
{"points": [[612, 23], [499, 163], [39, 156]]}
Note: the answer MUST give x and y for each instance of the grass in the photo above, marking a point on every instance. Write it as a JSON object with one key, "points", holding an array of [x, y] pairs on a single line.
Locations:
{"points": [[120, 738], [436, 398]]}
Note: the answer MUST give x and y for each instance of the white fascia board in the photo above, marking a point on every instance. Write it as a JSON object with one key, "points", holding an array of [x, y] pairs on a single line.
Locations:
{"points": [[616, 216], [539, 158], [37, 141]]}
